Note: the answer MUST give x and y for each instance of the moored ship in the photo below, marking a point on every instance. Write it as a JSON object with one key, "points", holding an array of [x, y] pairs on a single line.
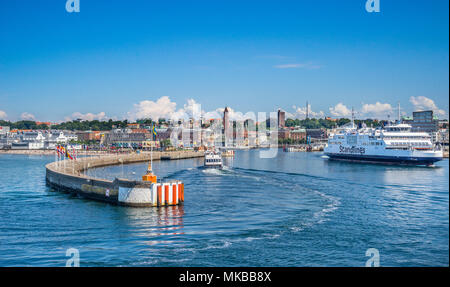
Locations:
{"points": [[394, 144]]}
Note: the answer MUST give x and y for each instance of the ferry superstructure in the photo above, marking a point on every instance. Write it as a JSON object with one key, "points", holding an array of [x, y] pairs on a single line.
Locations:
{"points": [[391, 144], [213, 159]]}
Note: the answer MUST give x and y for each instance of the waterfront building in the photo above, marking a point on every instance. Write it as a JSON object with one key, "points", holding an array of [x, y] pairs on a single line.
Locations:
{"points": [[283, 134], [32, 136], [32, 140], [442, 136], [149, 144], [71, 137], [424, 121], [163, 133], [281, 119], [88, 135], [53, 139], [316, 133], [4, 130], [133, 126], [19, 145], [298, 135], [26, 139], [126, 138], [252, 138], [48, 124], [6, 140]]}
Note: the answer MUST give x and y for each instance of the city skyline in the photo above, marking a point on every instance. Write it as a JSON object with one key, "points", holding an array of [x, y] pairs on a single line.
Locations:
{"points": [[163, 108], [115, 60]]}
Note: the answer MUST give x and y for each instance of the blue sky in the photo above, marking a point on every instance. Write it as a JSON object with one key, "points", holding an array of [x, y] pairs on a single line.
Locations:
{"points": [[116, 58]]}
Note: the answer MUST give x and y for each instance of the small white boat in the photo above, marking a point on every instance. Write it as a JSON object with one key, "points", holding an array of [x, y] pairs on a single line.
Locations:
{"points": [[213, 159]]}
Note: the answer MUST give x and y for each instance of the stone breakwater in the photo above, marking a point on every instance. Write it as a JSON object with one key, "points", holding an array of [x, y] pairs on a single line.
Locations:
{"points": [[68, 176]]}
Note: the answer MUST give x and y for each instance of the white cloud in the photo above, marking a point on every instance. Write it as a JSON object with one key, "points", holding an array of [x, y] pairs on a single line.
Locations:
{"points": [[217, 114], [236, 115], [162, 108], [297, 65], [3, 115], [27, 116], [340, 110], [376, 109], [288, 66], [424, 103], [300, 112], [191, 109], [165, 108], [87, 117]]}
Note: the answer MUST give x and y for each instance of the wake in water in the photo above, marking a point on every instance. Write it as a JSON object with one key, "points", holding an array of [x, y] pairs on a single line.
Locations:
{"points": [[228, 171], [297, 194]]}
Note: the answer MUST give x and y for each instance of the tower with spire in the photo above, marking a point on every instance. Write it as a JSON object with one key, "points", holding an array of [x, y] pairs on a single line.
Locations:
{"points": [[226, 125], [307, 110]]}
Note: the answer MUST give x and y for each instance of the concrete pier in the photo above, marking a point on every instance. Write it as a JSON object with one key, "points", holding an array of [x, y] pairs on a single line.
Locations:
{"points": [[69, 177]]}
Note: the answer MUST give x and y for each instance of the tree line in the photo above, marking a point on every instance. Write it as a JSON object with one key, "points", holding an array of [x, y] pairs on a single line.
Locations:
{"points": [[329, 124], [96, 125]]}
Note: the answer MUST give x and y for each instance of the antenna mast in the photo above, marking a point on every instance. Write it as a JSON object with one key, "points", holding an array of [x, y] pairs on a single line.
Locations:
{"points": [[353, 118], [307, 110]]}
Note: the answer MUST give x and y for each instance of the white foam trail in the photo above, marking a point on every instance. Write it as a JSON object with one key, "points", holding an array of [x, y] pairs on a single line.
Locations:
{"points": [[225, 245], [271, 236], [213, 171], [321, 215], [227, 168]]}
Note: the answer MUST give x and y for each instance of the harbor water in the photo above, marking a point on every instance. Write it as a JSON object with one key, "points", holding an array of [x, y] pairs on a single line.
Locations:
{"points": [[297, 209]]}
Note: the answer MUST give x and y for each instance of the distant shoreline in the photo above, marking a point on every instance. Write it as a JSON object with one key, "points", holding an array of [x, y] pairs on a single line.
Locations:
{"points": [[52, 152], [46, 152]]}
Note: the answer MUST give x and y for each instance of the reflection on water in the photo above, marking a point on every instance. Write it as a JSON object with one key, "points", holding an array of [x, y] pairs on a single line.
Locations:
{"points": [[155, 225]]}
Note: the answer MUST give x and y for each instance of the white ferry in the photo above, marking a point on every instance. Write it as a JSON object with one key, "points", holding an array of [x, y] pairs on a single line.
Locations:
{"points": [[392, 144], [213, 159]]}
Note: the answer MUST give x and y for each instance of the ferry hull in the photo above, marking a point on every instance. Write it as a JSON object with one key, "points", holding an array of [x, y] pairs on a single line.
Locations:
{"points": [[407, 160], [213, 166]]}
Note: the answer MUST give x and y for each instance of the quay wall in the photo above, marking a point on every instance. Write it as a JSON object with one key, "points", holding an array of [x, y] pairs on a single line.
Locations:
{"points": [[67, 176]]}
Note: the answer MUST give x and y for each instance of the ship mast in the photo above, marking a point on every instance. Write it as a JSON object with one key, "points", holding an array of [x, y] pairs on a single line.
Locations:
{"points": [[399, 120]]}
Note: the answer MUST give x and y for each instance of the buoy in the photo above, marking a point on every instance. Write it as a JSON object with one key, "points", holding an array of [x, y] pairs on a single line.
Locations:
{"points": [[149, 176]]}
